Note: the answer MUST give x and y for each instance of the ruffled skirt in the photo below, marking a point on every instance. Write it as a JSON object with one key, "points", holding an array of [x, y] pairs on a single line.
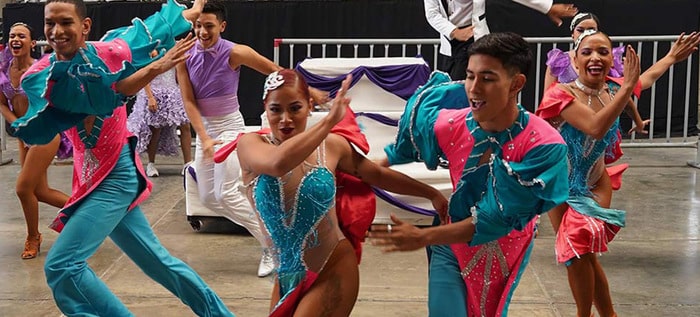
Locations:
{"points": [[586, 227], [170, 114]]}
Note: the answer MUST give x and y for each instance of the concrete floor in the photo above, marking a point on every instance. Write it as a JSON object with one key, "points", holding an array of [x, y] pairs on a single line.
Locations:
{"points": [[653, 266]]}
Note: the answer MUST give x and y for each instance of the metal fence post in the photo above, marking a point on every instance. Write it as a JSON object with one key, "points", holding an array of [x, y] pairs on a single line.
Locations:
{"points": [[3, 143]]}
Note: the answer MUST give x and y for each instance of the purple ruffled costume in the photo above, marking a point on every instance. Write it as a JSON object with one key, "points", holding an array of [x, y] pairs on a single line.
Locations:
{"points": [[559, 64], [65, 148], [170, 114]]}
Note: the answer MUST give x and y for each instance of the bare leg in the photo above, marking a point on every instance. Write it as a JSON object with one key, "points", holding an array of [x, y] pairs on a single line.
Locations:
{"points": [[22, 152], [334, 293], [37, 160], [186, 142], [153, 144], [48, 195], [603, 301], [582, 283], [35, 163]]}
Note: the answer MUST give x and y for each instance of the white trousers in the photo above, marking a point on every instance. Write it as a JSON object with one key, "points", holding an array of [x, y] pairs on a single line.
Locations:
{"points": [[219, 185]]}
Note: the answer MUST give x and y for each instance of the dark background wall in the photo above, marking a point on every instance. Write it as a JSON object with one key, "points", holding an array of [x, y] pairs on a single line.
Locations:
{"points": [[257, 23]]}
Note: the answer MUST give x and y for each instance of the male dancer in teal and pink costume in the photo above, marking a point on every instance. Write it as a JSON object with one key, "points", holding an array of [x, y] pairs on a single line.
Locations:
{"points": [[82, 87], [506, 165]]}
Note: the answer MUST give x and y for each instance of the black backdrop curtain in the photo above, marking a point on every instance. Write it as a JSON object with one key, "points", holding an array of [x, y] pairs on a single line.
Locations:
{"points": [[257, 23]]}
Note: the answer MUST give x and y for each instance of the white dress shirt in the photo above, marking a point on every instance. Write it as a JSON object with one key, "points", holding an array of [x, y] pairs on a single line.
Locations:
{"points": [[461, 11]]}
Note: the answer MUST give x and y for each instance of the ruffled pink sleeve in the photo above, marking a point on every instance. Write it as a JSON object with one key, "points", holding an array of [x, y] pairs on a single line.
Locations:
{"points": [[553, 102]]}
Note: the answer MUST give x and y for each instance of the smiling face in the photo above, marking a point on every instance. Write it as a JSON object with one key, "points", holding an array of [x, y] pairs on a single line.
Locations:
{"points": [[287, 109], [593, 59], [492, 91], [20, 41], [208, 29], [65, 31], [588, 24]]}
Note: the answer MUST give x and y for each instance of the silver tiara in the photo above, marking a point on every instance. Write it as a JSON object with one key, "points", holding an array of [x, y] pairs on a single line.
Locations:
{"points": [[577, 19], [583, 35], [273, 81]]}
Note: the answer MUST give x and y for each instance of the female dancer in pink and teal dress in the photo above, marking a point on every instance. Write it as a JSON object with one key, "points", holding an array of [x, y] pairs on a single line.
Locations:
{"points": [[586, 114], [560, 68], [82, 87], [290, 175], [32, 183], [158, 113]]}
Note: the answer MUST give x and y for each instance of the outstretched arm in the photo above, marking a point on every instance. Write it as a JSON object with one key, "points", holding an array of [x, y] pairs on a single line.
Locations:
{"points": [[639, 124], [246, 56], [259, 158], [555, 12], [681, 49], [359, 166], [596, 124], [192, 14], [403, 236], [131, 85]]}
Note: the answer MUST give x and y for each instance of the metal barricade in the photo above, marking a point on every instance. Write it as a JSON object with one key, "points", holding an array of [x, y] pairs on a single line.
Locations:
{"points": [[3, 143], [297, 49]]}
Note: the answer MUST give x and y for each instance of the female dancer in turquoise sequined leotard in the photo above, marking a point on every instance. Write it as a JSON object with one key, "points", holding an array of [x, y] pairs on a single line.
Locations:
{"points": [[296, 215], [290, 174]]}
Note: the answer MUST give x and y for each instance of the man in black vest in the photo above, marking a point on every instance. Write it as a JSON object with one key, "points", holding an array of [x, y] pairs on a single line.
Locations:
{"points": [[460, 22]]}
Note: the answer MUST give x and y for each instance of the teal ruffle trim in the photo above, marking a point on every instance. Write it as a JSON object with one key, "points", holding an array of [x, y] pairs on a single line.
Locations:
{"points": [[83, 85]]}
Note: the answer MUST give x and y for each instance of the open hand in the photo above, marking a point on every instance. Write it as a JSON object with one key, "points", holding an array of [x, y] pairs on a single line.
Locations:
{"points": [[399, 236], [640, 128], [177, 53], [559, 11], [684, 46], [632, 69], [340, 103]]}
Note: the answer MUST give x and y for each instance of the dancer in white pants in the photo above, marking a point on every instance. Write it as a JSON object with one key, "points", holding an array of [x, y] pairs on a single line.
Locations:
{"points": [[219, 184], [209, 84]]}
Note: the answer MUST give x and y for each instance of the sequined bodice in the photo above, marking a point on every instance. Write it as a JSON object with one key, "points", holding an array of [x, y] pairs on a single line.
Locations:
{"points": [[297, 210], [584, 154]]}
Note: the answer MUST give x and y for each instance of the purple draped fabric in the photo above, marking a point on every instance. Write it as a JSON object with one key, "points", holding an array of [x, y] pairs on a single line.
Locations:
{"points": [[400, 80], [395, 202], [379, 118]]}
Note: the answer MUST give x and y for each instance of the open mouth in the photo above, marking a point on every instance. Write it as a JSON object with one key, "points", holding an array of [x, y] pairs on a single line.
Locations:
{"points": [[286, 130], [60, 42], [595, 70], [16, 47], [476, 104]]}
